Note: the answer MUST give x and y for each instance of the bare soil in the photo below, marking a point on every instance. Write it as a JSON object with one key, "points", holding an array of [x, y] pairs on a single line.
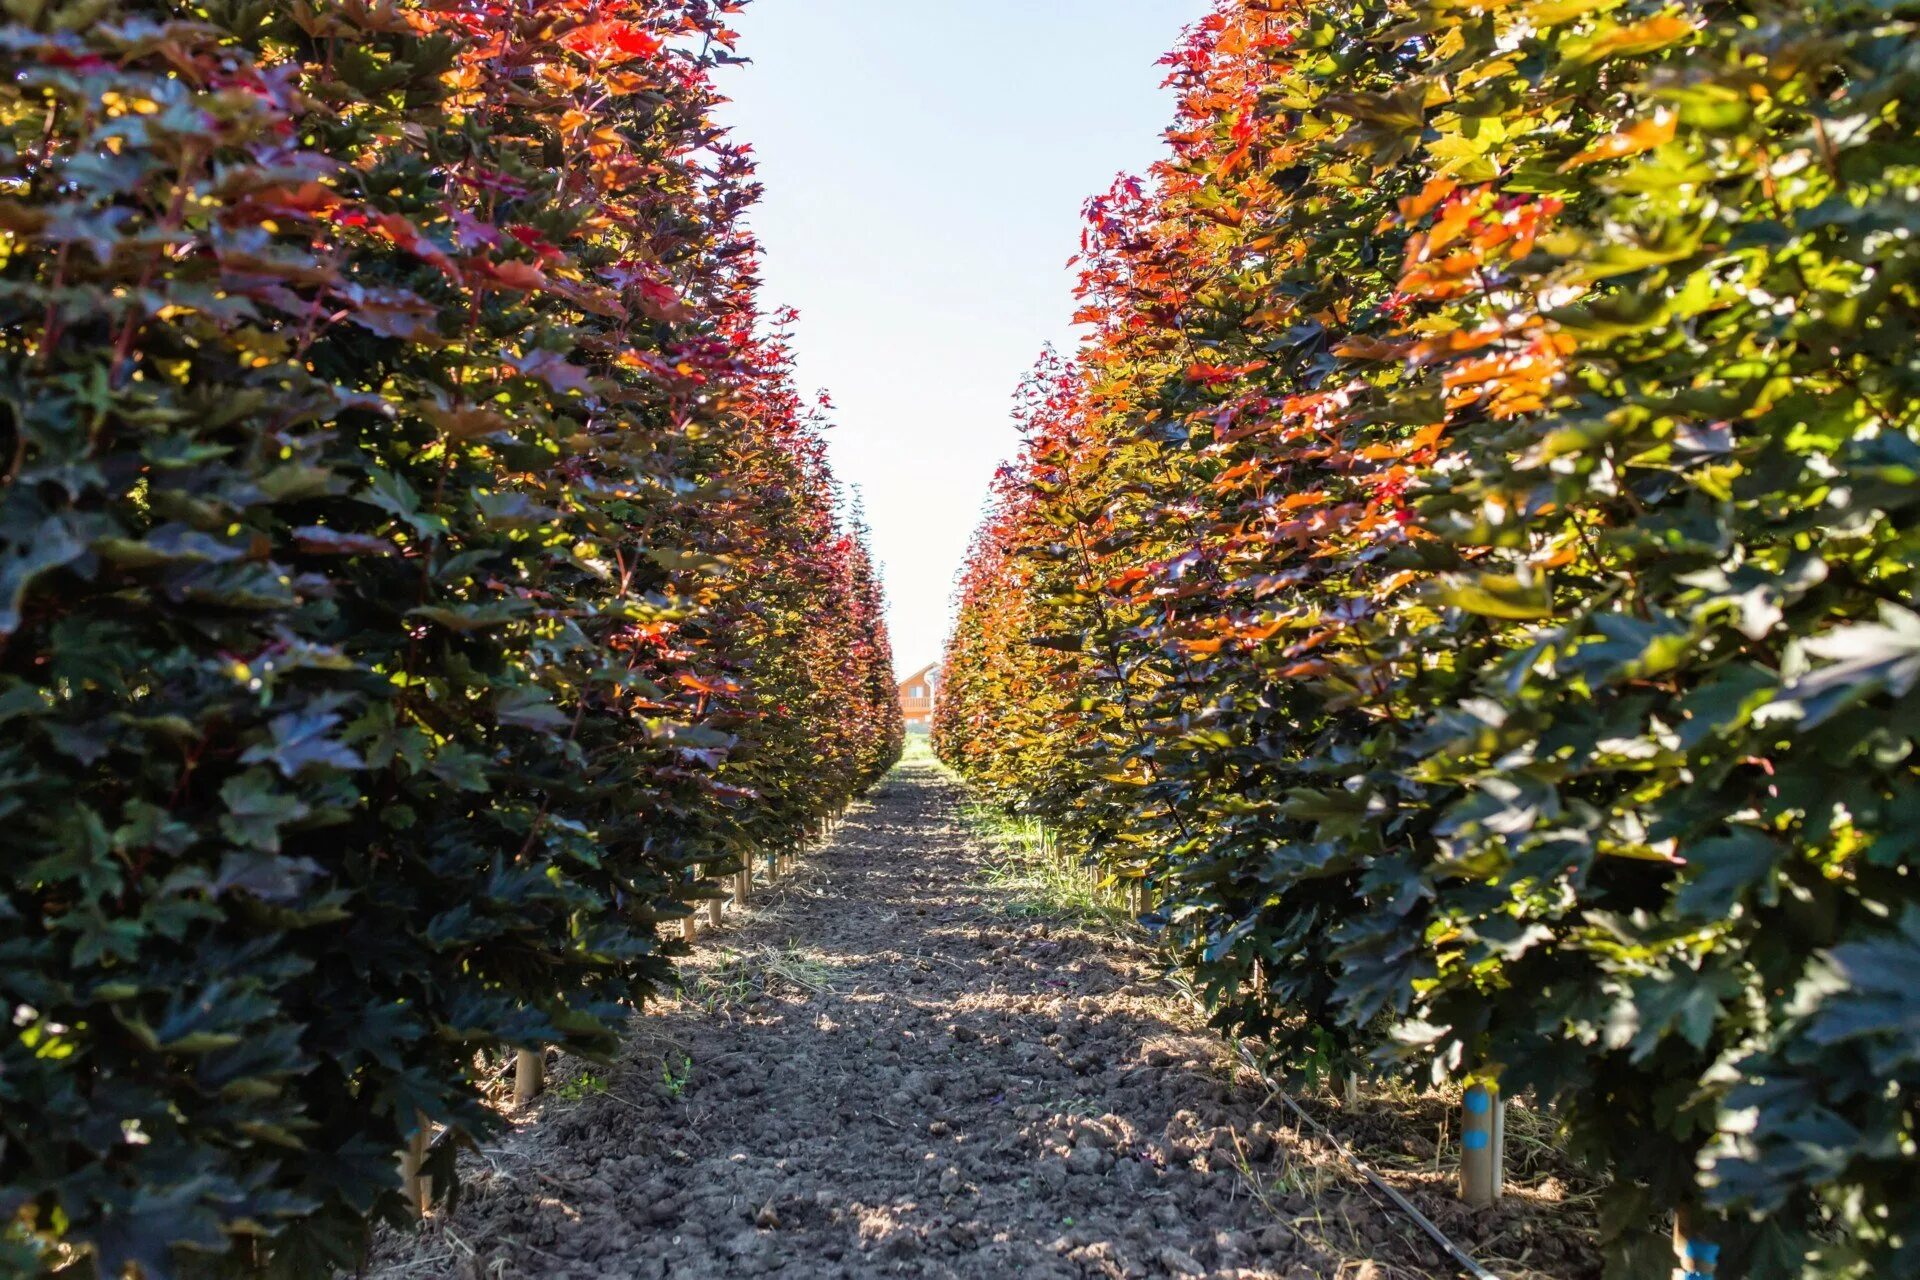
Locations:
{"points": [[881, 1069]]}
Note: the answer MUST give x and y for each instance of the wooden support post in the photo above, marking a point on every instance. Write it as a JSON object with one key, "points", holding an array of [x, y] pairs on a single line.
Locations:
{"points": [[690, 927], [1696, 1257], [529, 1077], [1482, 1141], [714, 906], [1499, 1146], [415, 1185], [742, 887]]}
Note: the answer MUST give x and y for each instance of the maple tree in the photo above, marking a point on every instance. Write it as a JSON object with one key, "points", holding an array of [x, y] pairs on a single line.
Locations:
{"points": [[418, 582], [1466, 577]]}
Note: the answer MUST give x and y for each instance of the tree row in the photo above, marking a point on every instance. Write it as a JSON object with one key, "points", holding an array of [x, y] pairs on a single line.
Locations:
{"points": [[1467, 576], [420, 585]]}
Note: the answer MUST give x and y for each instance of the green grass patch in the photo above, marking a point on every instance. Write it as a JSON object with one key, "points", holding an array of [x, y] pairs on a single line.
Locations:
{"points": [[918, 753], [1032, 882]]}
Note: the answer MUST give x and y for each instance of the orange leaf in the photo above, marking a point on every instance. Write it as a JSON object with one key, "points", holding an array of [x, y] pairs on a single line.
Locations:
{"points": [[1394, 583], [1361, 347], [1414, 208], [1643, 135], [1641, 37], [519, 275]]}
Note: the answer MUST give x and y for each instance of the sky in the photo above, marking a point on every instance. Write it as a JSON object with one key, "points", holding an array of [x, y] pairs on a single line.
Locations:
{"points": [[926, 162]]}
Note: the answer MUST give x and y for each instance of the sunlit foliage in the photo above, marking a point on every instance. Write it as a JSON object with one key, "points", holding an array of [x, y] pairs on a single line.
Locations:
{"points": [[1468, 577]]}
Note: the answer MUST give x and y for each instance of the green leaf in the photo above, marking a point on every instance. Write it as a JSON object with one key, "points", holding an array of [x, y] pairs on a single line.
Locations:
{"points": [[257, 810], [529, 708], [1498, 596], [472, 618], [1868, 659], [1725, 871], [54, 543], [303, 740]]}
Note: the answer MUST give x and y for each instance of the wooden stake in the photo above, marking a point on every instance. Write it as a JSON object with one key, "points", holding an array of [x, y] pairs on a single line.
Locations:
{"points": [[416, 1186], [690, 927], [742, 887], [529, 1077], [1500, 1148], [1482, 1139]]}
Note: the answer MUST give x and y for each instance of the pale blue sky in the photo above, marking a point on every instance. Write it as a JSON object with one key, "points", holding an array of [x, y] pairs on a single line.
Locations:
{"points": [[925, 162]]}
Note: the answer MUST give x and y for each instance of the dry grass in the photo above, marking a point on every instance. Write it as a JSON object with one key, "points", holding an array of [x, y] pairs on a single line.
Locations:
{"points": [[737, 976]]}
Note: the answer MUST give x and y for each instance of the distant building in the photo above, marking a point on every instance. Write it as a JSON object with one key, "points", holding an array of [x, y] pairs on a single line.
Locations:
{"points": [[916, 696]]}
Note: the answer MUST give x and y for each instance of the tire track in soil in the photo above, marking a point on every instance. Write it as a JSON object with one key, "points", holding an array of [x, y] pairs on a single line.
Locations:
{"points": [[880, 1072]]}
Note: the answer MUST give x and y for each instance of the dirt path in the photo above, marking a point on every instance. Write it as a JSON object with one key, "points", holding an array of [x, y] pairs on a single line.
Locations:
{"points": [[884, 1071]]}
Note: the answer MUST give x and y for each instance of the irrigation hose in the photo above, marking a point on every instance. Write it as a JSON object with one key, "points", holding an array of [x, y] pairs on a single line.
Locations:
{"points": [[1406, 1206], [1361, 1167]]}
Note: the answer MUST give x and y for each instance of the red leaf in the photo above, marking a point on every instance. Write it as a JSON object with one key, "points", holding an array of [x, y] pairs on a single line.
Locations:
{"points": [[601, 38]]}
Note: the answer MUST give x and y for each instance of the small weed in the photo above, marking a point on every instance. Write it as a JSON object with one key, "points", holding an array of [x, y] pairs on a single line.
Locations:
{"points": [[675, 1078], [580, 1087], [725, 985], [1294, 1177]]}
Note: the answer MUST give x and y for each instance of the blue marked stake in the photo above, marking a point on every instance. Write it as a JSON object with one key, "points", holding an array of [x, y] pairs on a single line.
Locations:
{"points": [[1699, 1259], [1481, 1175]]}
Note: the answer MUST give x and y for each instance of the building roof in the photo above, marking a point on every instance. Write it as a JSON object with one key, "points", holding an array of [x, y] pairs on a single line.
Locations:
{"points": [[920, 675]]}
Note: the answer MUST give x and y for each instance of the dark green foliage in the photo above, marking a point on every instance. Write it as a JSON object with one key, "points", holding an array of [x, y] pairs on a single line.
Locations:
{"points": [[382, 423]]}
